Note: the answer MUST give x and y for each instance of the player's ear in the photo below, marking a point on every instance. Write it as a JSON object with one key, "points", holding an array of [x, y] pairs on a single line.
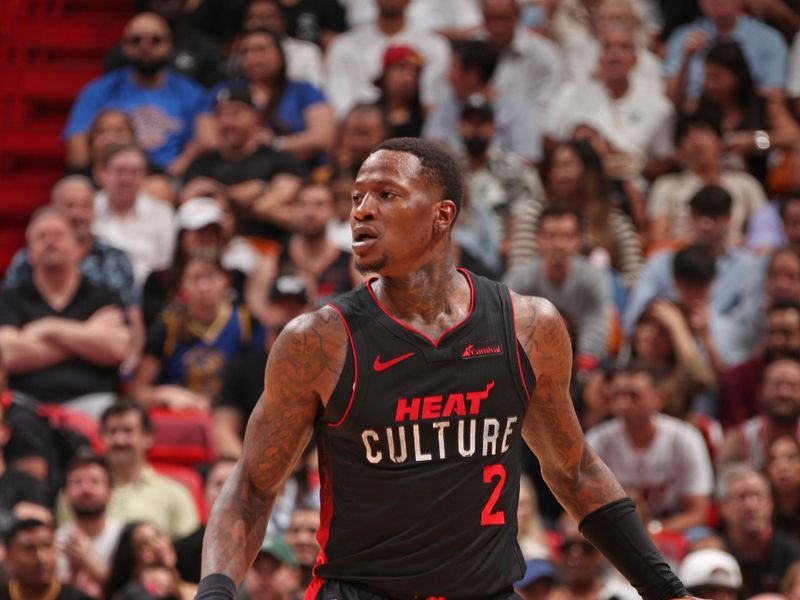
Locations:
{"points": [[446, 212]]}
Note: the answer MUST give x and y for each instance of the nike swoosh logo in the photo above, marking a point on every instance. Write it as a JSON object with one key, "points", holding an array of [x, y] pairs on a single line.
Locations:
{"points": [[382, 366]]}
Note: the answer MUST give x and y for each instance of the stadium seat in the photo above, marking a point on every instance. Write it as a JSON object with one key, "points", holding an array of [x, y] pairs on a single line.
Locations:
{"points": [[182, 438]]}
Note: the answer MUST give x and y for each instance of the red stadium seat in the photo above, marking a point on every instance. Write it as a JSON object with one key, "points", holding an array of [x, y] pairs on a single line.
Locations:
{"points": [[182, 438]]}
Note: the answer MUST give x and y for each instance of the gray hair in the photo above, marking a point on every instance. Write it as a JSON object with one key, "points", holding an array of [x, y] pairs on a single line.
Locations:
{"points": [[69, 181], [734, 472]]}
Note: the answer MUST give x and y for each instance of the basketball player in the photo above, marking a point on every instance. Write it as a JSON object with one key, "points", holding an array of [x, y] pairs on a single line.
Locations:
{"points": [[420, 386]]}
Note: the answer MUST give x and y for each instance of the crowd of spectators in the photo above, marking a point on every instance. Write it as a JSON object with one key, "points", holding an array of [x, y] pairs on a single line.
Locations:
{"points": [[636, 162]]}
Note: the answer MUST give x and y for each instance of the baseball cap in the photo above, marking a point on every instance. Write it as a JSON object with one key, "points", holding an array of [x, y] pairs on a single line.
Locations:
{"points": [[278, 549], [399, 54], [289, 287], [710, 567], [536, 569], [233, 94], [197, 213], [479, 105]]}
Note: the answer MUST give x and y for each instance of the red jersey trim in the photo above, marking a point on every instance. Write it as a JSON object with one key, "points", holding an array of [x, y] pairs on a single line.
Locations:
{"points": [[517, 345], [325, 516], [313, 589], [434, 343], [355, 368]]}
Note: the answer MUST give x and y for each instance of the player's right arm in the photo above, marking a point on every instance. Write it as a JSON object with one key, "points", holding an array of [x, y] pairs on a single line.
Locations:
{"points": [[302, 370]]}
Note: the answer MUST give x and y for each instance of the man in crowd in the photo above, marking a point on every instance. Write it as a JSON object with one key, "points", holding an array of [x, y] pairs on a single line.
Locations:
{"points": [[86, 545], [363, 128], [274, 574], [128, 218], [139, 493], [711, 573], [780, 402], [763, 552], [578, 289], [62, 336], [162, 103], [301, 536], [31, 559]]}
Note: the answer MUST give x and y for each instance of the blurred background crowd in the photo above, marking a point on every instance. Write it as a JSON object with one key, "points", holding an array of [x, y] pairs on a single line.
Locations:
{"points": [[636, 162]]}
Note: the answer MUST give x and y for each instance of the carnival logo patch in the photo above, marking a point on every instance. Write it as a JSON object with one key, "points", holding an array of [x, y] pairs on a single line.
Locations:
{"points": [[479, 349]]}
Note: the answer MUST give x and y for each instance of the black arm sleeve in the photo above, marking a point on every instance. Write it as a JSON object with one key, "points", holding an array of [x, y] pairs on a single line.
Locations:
{"points": [[616, 530]]}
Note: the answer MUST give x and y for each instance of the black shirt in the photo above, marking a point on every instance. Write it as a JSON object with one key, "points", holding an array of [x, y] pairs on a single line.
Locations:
{"points": [[67, 592], [16, 486], [765, 575], [309, 19], [264, 164], [188, 552], [73, 377], [243, 382]]}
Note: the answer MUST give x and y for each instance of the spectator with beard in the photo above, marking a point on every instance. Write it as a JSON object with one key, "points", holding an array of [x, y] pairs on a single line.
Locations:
{"points": [[259, 179], [194, 53], [739, 386], [243, 380], [498, 180], [31, 560], [301, 536], [780, 401], [307, 254], [162, 103], [763, 552], [86, 545]]}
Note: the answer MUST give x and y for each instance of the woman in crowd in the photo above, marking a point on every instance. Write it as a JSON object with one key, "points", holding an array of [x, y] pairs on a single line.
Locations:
{"points": [[295, 115], [190, 344], [399, 86]]}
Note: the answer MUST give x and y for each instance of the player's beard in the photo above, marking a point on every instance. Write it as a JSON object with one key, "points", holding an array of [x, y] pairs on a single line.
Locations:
{"points": [[371, 267]]}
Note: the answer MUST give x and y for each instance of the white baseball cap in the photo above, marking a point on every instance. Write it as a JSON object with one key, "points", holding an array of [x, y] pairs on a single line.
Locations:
{"points": [[710, 567], [197, 213]]}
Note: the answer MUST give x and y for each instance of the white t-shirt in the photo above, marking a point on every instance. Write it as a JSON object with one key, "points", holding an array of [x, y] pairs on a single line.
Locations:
{"points": [[675, 465], [639, 123], [102, 547]]}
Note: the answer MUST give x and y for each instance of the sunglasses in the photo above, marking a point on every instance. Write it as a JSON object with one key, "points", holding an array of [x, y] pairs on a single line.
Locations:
{"points": [[585, 546], [152, 40]]}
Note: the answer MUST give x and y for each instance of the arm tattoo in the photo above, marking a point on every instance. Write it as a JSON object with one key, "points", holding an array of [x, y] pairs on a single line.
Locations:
{"points": [[303, 367], [578, 478]]}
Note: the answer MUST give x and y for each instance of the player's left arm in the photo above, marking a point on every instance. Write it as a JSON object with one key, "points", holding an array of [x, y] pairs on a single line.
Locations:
{"points": [[581, 481]]}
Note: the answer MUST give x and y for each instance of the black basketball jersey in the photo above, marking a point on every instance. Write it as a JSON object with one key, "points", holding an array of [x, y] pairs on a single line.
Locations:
{"points": [[419, 452]]}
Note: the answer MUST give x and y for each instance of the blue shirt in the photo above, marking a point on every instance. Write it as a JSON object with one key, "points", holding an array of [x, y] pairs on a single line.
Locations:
{"points": [[737, 287], [297, 97], [103, 265], [163, 116], [764, 48]]}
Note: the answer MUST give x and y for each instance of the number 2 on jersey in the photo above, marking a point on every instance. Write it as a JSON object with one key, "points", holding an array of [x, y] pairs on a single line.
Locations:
{"points": [[490, 472]]}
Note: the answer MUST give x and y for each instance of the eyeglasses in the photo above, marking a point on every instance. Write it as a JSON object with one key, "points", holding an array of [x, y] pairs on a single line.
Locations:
{"points": [[152, 40], [585, 546]]}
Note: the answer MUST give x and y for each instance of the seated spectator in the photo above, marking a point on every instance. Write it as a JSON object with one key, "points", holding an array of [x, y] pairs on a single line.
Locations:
{"points": [[776, 224], [663, 339], [746, 509], [31, 559], [201, 224], [738, 280], [162, 103], [101, 263], [259, 180], [293, 115], [307, 254], [16, 486], [303, 58], [139, 492], [364, 127], [194, 53], [85, 546], [700, 148], [753, 125], [274, 574], [497, 180], [62, 336], [584, 571], [128, 218], [573, 175], [141, 545], [577, 288], [636, 120], [780, 402], [399, 91], [190, 344], [764, 48], [661, 459], [740, 386], [783, 471], [519, 129], [538, 582], [243, 380], [301, 537], [353, 59], [189, 548], [711, 574]]}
